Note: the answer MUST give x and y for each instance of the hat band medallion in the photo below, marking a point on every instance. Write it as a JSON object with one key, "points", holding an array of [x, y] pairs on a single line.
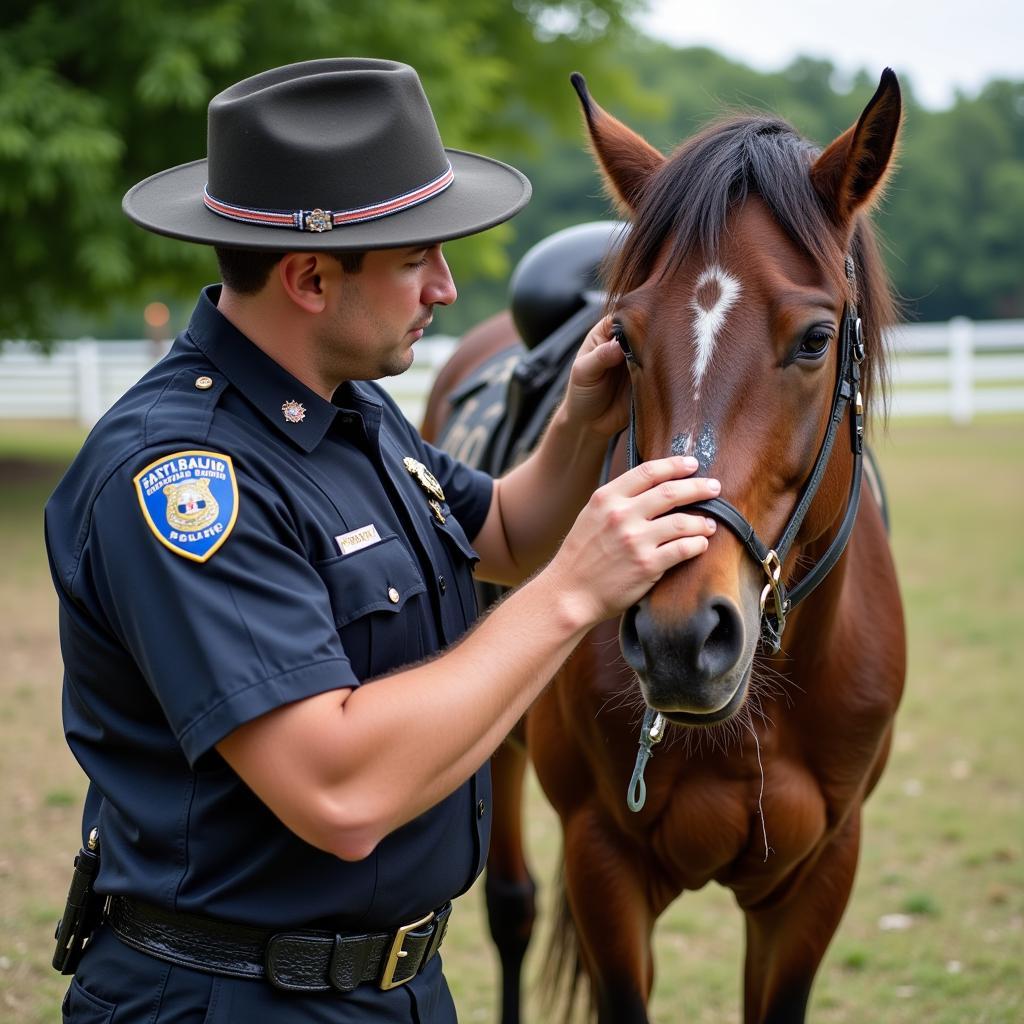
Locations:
{"points": [[318, 220]]}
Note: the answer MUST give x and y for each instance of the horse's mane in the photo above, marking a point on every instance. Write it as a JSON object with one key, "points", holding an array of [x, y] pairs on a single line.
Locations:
{"points": [[686, 202]]}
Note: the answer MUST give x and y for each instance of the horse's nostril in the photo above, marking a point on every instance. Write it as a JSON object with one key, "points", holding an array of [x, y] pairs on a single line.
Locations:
{"points": [[723, 640], [629, 641]]}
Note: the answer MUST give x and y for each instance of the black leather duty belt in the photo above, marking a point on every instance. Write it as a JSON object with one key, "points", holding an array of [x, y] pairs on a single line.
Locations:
{"points": [[297, 961]]}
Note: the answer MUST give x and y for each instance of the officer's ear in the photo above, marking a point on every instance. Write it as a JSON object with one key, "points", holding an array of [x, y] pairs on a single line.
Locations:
{"points": [[301, 277]]}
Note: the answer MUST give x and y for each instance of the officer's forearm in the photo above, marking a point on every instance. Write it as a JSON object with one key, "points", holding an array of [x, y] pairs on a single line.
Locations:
{"points": [[344, 769], [538, 501]]}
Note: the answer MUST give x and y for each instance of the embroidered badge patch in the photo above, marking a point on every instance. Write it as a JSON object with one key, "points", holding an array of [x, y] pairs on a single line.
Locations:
{"points": [[190, 501]]}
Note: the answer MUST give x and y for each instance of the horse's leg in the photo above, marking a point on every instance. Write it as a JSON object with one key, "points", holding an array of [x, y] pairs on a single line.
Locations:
{"points": [[786, 942], [604, 885], [508, 888]]}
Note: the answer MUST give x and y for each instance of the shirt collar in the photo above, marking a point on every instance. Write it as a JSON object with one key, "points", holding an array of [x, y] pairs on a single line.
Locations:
{"points": [[292, 408]]}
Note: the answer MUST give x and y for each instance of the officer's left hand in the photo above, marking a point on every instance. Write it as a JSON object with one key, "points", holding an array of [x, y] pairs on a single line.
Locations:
{"points": [[598, 394]]}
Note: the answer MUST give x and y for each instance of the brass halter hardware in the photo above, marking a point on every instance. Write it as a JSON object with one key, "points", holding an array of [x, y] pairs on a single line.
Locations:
{"points": [[772, 566]]}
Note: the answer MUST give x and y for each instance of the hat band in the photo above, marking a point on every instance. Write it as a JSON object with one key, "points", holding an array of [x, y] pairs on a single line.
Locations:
{"points": [[325, 220]]}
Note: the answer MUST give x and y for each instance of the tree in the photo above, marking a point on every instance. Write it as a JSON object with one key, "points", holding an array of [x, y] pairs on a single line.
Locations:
{"points": [[953, 217], [97, 96]]}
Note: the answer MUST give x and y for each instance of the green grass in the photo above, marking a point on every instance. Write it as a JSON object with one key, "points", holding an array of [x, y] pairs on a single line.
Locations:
{"points": [[943, 832]]}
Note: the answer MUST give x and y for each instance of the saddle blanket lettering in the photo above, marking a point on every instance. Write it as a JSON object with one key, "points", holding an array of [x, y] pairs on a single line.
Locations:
{"points": [[190, 501], [356, 539]]}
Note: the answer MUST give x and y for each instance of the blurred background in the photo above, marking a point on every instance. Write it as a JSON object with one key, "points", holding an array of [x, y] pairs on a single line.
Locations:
{"points": [[96, 96]]}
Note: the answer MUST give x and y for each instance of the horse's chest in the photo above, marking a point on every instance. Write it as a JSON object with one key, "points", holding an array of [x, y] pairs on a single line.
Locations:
{"points": [[719, 825]]}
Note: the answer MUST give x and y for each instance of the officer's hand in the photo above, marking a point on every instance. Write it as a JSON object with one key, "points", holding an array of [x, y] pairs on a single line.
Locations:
{"points": [[597, 397], [623, 542]]}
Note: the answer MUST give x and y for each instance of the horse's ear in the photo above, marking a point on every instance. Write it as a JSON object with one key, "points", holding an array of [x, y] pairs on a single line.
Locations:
{"points": [[626, 160], [850, 172]]}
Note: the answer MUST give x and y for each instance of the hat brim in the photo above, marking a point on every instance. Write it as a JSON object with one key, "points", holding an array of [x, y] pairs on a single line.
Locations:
{"points": [[485, 192]]}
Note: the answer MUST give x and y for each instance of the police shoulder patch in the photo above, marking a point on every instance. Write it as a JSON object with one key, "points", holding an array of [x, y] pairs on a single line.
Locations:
{"points": [[190, 501]]}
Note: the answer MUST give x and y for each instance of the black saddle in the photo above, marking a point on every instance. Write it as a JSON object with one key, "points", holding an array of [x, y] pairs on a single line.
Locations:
{"points": [[501, 409]]}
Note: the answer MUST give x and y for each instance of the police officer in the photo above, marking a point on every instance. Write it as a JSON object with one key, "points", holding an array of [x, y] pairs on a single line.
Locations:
{"points": [[258, 561]]}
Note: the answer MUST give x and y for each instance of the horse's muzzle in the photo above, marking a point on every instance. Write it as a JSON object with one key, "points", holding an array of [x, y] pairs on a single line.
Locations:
{"points": [[693, 666]]}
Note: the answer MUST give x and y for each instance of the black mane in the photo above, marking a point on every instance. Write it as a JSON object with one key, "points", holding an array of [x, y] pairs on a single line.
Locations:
{"points": [[687, 201]]}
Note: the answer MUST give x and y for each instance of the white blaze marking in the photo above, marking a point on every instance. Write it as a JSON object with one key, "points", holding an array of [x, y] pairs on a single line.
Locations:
{"points": [[708, 323]]}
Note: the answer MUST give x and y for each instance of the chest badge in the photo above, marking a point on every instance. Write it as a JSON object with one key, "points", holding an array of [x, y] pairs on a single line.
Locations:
{"points": [[189, 501], [427, 480], [424, 477], [294, 412]]}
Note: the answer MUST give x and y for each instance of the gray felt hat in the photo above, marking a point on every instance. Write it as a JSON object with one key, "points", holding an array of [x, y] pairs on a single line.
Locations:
{"points": [[327, 154]]}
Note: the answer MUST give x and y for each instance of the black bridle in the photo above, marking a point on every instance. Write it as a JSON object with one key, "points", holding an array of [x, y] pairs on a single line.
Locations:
{"points": [[847, 390], [783, 597]]}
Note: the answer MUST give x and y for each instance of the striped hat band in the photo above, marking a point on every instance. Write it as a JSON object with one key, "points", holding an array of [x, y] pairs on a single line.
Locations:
{"points": [[325, 220]]}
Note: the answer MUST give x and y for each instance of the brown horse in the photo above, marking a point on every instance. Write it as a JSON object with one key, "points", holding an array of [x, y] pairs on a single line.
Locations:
{"points": [[736, 297]]}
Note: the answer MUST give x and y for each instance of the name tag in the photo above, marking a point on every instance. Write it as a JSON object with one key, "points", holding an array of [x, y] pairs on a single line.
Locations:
{"points": [[356, 539]]}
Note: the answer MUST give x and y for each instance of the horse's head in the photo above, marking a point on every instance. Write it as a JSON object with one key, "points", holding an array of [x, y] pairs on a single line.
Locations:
{"points": [[729, 296]]}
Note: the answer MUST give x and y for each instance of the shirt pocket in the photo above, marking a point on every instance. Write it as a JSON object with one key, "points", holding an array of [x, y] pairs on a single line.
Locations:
{"points": [[377, 596]]}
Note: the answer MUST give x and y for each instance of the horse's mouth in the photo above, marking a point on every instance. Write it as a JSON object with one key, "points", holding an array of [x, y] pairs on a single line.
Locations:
{"points": [[695, 718]]}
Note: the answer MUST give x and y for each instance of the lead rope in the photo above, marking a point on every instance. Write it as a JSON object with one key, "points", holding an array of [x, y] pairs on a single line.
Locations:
{"points": [[652, 732]]}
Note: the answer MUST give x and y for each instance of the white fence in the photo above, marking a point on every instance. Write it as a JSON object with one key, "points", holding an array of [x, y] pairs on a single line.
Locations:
{"points": [[958, 369], [955, 370], [80, 380]]}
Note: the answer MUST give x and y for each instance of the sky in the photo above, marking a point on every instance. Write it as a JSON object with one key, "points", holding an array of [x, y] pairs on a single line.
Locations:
{"points": [[939, 45]]}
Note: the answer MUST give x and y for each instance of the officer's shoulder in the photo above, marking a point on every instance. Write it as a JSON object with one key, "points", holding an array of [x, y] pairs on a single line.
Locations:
{"points": [[170, 408]]}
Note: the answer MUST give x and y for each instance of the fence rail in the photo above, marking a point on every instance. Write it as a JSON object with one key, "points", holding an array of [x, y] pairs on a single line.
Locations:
{"points": [[956, 369]]}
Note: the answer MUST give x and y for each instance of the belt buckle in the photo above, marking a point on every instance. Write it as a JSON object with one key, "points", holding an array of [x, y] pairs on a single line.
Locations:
{"points": [[396, 953]]}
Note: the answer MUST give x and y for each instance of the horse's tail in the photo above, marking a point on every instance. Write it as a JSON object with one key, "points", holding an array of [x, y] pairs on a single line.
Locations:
{"points": [[563, 981]]}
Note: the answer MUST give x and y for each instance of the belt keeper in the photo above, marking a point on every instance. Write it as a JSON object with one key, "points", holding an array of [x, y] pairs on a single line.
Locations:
{"points": [[440, 930], [283, 949], [347, 972]]}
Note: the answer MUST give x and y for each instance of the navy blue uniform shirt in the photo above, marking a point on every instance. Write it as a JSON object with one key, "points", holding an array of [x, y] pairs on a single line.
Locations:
{"points": [[225, 543]]}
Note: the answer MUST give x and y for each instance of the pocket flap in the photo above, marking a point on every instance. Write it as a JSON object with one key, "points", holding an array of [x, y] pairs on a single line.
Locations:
{"points": [[379, 578], [453, 530]]}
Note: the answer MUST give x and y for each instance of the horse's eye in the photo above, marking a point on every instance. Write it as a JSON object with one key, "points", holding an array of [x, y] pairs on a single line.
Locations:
{"points": [[619, 334], [815, 343]]}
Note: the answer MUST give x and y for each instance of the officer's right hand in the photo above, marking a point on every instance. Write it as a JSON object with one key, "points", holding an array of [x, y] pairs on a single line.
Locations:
{"points": [[622, 542]]}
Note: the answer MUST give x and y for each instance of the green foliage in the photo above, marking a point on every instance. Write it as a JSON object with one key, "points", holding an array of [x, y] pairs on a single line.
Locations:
{"points": [[952, 221], [95, 97]]}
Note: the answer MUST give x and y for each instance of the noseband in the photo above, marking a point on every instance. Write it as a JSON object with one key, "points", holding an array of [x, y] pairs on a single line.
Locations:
{"points": [[782, 597]]}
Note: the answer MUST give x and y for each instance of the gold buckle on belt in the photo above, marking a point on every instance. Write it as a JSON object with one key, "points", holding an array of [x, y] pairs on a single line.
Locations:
{"points": [[397, 953]]}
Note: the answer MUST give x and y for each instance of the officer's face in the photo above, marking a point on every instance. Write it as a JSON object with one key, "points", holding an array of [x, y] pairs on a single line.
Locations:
{"points": [[382, 310]]}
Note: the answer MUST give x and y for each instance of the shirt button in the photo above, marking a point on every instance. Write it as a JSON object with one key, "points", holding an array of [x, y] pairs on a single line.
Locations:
{"points": [[481, 809], [204, 383], [393, 595], [442, 584]]}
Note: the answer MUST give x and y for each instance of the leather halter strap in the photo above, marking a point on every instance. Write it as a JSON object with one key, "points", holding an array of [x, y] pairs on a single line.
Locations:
{"points": [[847, 390]]}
